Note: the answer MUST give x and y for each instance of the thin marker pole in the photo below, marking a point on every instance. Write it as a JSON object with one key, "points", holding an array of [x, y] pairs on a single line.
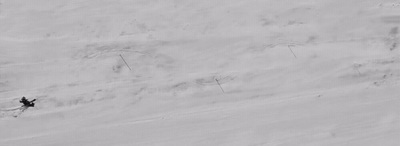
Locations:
{"points": [[356, 66], [125, 62], [220, 85], [292, 51], [359, 73]]}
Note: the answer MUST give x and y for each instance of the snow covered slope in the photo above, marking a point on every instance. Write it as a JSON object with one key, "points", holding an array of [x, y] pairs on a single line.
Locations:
{"points": [[246, 73]]}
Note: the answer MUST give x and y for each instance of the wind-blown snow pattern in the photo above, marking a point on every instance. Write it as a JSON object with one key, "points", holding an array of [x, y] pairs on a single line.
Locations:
{"points": [[290, 73]]}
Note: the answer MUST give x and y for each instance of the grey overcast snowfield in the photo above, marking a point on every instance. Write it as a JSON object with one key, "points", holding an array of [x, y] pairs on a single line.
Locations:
{"points": [[201, 72]]}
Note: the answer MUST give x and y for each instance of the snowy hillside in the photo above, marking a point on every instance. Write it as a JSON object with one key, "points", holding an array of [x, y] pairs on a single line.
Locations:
{"points": [[202, 73]]}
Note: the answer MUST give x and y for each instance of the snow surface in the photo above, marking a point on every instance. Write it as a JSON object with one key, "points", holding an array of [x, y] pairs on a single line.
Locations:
{"points": [[339, 87]]}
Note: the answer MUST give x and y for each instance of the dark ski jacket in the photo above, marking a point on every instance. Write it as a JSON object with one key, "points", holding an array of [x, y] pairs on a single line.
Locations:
{"points": [[27, 103]]}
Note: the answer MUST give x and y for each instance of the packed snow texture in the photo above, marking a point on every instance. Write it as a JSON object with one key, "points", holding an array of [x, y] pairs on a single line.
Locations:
{"points": [[203, 72]]}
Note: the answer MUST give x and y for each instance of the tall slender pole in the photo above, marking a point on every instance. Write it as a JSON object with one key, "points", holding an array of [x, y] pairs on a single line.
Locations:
{"points": [[125, 62], [356, 66], [292, 51], [359, 73], [220, 85]]}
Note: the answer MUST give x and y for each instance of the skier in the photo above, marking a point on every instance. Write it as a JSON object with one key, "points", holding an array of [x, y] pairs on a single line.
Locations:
{"points": [[27, 103]]}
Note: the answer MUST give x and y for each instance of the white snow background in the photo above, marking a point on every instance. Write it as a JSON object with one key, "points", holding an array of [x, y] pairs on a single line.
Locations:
{"points": [[291, 72]]}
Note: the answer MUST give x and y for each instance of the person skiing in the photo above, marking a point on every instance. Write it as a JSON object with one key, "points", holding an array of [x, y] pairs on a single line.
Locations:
{"points": [[27, 103]]}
